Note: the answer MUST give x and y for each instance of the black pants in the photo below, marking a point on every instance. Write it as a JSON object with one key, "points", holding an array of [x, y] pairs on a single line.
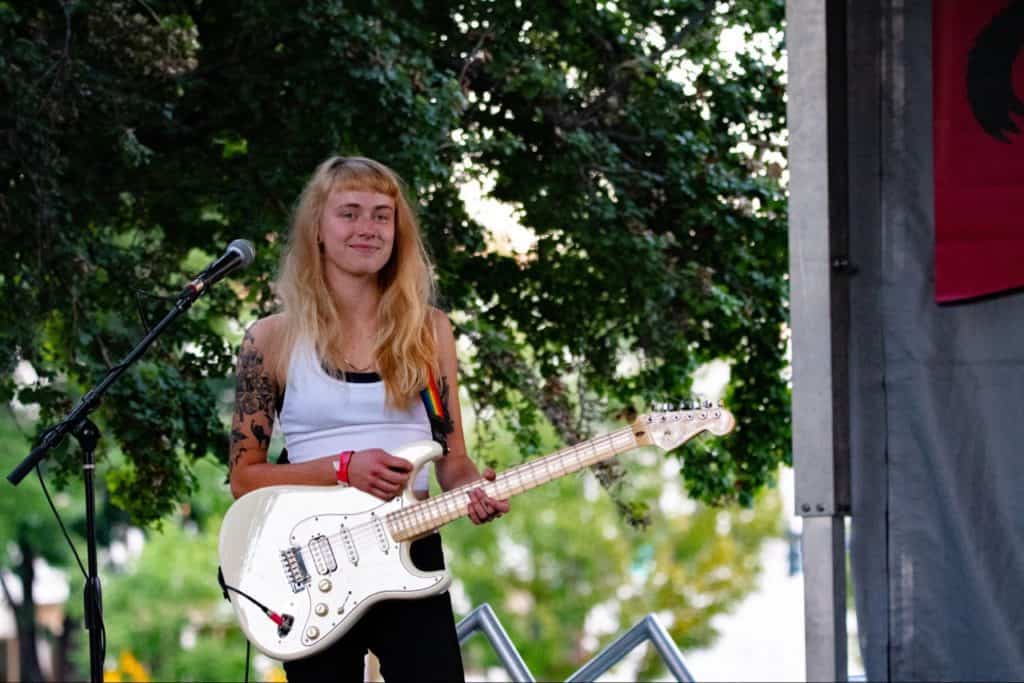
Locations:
{"points": [[414, 640]]}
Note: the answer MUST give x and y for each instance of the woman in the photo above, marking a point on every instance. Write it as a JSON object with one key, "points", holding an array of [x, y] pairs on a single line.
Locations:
{"points": [[343, 366]]}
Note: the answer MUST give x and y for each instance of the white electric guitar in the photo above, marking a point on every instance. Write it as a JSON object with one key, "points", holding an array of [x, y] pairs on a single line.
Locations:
{"points": [[302, 564]]}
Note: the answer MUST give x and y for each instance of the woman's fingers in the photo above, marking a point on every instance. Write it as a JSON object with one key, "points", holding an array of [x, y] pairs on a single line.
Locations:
{"points": [[483, 508]]}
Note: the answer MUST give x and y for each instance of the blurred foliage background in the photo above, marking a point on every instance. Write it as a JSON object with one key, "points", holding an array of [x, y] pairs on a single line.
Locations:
{"points": [[639, 145]]}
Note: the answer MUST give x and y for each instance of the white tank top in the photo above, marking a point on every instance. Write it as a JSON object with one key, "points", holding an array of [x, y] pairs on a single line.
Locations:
{"points": [[322, 415]]}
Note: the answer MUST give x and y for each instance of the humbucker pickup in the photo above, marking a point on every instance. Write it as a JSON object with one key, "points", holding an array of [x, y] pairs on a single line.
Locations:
{"points": [[323, 554]]}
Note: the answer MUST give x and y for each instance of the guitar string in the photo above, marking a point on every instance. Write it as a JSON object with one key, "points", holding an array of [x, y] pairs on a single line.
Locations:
{"points": [[425, 513], [440, 507]]}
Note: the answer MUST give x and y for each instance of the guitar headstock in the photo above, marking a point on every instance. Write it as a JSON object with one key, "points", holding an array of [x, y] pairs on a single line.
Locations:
{"points": [[668, 429]]}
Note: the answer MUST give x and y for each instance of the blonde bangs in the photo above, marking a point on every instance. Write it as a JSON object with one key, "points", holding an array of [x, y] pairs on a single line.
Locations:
{"points": [[346, 179], [406, 347]]}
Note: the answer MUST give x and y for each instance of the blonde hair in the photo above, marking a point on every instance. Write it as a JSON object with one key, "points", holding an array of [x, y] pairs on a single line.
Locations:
{"points": [[405, 349]]}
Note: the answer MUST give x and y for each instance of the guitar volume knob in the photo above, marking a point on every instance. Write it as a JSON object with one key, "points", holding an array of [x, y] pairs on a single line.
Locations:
{"points": [[320, 609], [312, 633], [324, 585]]}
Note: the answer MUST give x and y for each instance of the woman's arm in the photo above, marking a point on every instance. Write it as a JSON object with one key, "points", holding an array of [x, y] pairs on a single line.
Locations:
{"points": [[456, 468], [371, 470], [253, 421]]}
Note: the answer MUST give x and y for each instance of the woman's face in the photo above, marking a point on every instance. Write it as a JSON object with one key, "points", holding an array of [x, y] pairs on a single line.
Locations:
{"points": [[358, 231]]}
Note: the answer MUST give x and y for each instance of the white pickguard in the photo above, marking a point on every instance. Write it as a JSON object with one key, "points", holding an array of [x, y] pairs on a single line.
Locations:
{"points": [[371, 564]]}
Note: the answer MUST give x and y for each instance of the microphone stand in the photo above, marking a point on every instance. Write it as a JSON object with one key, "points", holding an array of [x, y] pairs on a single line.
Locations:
{"points": [[77, 423]]}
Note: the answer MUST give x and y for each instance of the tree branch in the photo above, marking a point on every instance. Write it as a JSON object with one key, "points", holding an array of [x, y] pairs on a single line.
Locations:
{"points": [[7, 592]]}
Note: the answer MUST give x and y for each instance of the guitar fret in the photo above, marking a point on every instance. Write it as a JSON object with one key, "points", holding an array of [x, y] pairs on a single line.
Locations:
{"points": [[523, 481], [431, 514], [531, 472], [539, 473], [396, 521], [563, 466]]}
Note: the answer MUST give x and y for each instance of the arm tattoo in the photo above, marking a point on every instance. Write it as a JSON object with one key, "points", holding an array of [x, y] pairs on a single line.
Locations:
{"points": [[235, 457], [254, 394], [236, 450], [261, 435], [255, 389]]}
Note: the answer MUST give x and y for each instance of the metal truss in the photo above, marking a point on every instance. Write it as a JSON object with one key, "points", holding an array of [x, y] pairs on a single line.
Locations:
{"points": [[649, 628]]}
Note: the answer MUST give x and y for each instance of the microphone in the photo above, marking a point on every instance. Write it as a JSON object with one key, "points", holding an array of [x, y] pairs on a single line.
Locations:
{"points": [[239, 254]]}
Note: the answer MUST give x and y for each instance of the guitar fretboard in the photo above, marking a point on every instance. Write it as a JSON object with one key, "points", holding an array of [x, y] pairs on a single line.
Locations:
{"points": [[422, 518]]}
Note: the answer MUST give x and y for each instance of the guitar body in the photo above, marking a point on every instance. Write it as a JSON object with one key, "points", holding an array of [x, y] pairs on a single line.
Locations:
{"points": [[321, 555]]}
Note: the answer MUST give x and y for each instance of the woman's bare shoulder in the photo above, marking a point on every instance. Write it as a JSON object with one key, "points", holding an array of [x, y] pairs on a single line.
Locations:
{"points": [[441, 322], [264, 334]]}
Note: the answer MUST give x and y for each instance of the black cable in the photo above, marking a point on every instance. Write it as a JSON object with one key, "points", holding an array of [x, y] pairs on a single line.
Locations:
{"points": [[248, 651], [141, 311], [284, 621], [248, 597], [56, 514], [78, 558]]}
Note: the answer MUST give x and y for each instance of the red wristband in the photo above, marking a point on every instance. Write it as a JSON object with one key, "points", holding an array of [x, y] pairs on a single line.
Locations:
{"points": [[342, 470]]}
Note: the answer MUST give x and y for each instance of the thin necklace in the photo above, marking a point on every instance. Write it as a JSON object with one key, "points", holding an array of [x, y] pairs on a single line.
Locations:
{"points": [[356, 368]]}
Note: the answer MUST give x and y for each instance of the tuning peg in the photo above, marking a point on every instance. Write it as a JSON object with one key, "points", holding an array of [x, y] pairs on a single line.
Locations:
{"points": [[662, 407], [707, 404]]}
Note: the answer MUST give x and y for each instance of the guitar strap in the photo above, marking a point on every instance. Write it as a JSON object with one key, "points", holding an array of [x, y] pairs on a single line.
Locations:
{"points": [[435, 401]]}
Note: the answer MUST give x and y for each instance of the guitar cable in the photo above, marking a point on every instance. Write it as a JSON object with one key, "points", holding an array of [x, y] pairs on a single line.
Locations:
{"points": [[284, 621]]}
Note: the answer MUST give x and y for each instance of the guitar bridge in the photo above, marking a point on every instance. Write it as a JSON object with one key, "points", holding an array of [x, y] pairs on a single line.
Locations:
{"points": [[295, 568]]}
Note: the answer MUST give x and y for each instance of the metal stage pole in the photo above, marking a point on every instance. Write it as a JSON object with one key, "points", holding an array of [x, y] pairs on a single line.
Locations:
{"points": [[819, 309]]}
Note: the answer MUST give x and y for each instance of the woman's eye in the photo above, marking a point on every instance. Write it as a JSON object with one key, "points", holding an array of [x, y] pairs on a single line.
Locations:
{"points": [[348, 215], [382, 217]]}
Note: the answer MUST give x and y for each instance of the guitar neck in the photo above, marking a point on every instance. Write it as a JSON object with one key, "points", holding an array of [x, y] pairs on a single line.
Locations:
{"points": [[422, 518]]}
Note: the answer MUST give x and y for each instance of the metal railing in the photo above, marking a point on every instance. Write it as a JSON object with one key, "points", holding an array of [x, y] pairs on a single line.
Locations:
{"points": [[484, 619], [649, 628]]}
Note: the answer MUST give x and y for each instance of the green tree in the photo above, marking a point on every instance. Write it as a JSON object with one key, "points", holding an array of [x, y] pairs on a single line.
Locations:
{"points": [[139, 133], [140, 137]]}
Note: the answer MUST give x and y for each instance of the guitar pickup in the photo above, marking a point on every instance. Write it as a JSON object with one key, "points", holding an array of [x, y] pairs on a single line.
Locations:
{"points": [[295, 568], [323, 554], [381, 533], [349, 544]]}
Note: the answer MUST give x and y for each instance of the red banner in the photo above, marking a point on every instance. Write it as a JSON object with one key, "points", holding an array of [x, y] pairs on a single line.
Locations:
{"points": [[978, 100]]}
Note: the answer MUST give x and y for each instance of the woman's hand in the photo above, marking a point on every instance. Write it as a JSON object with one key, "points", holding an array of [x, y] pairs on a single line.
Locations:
{"points": [[378, 473], [483, 508]]}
